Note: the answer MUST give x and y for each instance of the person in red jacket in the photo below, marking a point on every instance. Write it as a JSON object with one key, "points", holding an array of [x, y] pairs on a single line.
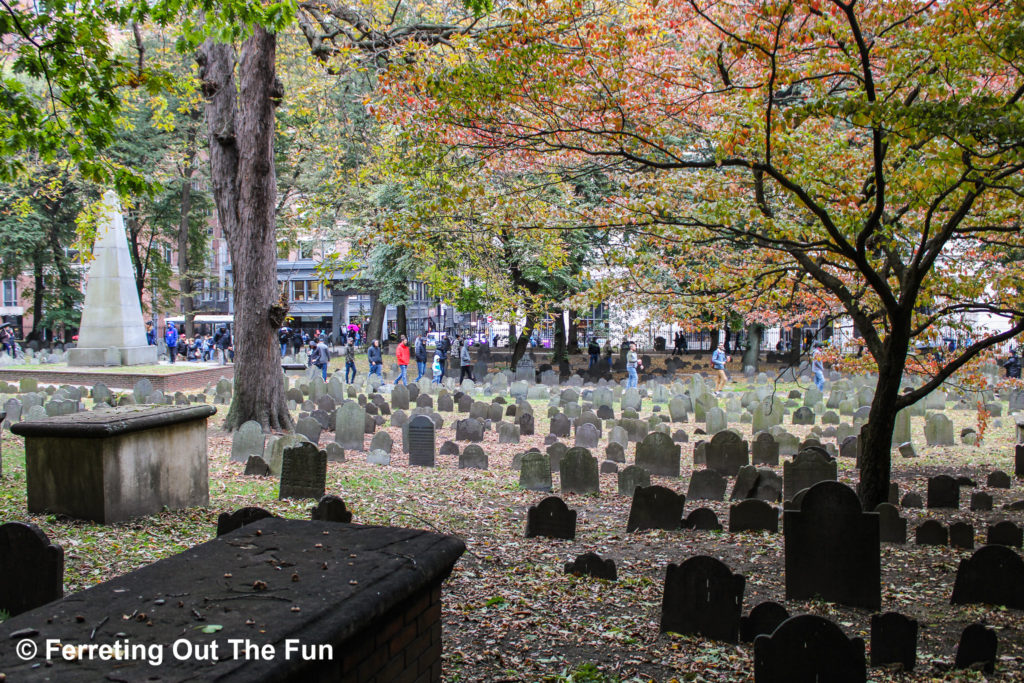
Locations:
{"points": [[402, 356]]}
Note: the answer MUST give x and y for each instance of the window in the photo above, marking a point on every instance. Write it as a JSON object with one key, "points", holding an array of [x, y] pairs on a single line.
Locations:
{"points": [[307, 290], [306, 250], [10, 292]]}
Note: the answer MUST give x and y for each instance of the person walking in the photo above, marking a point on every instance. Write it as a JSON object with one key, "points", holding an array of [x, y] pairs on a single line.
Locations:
{"points": [[632, 365], [319, 357], [150, 334], [718, 361], [350, 361], [465, 362], [818, 366], [608, 353], [420, 350], [437, 367], [283, 335], [373, 355], [171, 339], [443, 345], [594, 349], [223, 340], [402, 357]]}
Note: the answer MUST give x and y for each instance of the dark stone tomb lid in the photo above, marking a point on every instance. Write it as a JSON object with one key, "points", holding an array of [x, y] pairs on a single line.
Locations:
{"points": [[115, 422]]}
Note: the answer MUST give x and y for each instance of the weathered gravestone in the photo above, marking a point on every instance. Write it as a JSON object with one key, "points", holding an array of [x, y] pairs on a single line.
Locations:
{"points": [[658, 455], [303, 472], [977, 649], [400, 398], [247, 440], [535, 472], [473, 457], [309, 428], [551, 518], [893, 640], [891, 527], [764, 450], [591, 564], [579, 472], [993, 575], [1005, 533], [615, 452], [938, 430], [330, 509], [943, 492], [832, 548], [702, 519], [764, 618], [526, 424], [931, 532], [31, 568], [228, 522], [560, 426], [469, 429], [753, 515], [703, 597], [726, 453], [998, 480], [961, 535], [350, 426], [706, 485], [655, 507], [631, 478], [422, 447], [807, 468], [587, 436], [808, 648]]}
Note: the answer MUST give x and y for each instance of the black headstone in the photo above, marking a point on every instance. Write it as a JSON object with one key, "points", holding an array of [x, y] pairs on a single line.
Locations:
{"points": [[961, 535], [330, 509], [943, 492], [932, 532], [702, 519], [228, 522], [303, 472], [31, 568], [552, 518], [726, 453], [1005, 533], [832, 548], [891, 527], [808, 648], [893, 640], [560, 425], [981, 501], [591, 564], [421, 441], [703, 597], [978, 646], [256, 466], [764, 618], [753, 515], [655, 507], [706, 485], [912, 500], [993, 575]]}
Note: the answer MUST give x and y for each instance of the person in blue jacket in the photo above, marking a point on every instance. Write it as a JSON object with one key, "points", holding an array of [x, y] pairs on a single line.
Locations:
{"points": [[171, 339]]}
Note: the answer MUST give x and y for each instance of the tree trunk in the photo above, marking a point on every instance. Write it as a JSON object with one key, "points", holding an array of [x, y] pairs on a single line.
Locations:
{"points": [[373, 328], [875, 440], [522, 341], [401, 321], [184, 276], [37, 296], [558, 352], [132, 228], [245, 190], [714, 340], [753, 352], [512, 338], [728, 336], [574, 333]]}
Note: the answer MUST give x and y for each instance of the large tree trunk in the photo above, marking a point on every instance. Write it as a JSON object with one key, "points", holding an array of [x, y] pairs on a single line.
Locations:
{"points": [[558, 352], [714, 339], [37, 296], [875, 440], [373, 328], [753, 352], [522, 341], [574, 333], [245, 190], [512, 338], [401, 321], [132, 228], [184, 274]]}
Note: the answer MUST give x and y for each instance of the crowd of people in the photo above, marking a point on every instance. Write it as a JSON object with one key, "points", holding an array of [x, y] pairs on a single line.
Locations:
{"points": [[205, 348]]}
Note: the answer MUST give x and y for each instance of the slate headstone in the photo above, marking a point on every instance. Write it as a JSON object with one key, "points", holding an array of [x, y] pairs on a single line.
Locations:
{"points": [[535, 472], [655, 507], [1005, 533], [931, 532], [943, 492], [763, 619], [247, 440], [31, 568], [631, 478], [551, 518], [706, 485], [422, 446], [578, 472], [808, 648], [350, 426], [658, 455], [473, 457], [591, 564], [228, 522], [993, 575], [303, 472], [702, 519], [977, 648], [893, 641], [753, 515], [331, 509], [703, 597], [891, 527]]}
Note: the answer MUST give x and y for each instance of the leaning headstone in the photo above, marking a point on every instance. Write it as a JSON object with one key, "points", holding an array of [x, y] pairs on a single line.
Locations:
{"points": [[703, 597], [579, 472], [977, 649], [807, 468], [551, 518], [993, 575], [655, 507], [763, 619], [228, 522], [247, 440], [943, 492], [832, 548], [303, 472], [422, 446], [591, 564], [331, 509], [658, 455], [631, 478], [702, 519], [753, 515], [535, 472], [893, 641], [31, 568], [891, 527], [808, 648], [706, 485]]}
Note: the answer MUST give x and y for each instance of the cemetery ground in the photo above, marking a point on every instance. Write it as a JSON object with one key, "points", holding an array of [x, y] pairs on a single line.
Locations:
{"points": [[510, 611]]}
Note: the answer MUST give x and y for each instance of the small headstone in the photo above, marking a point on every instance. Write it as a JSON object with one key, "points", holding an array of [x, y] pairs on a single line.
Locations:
{"points": [[335, 453], [658, 455], [535, 472], [587, 436], [309, 428], [256, 466], [912, 500], [808, 648], [228, 522], [560, 426], [631, 478], [31, 568], [706, 485], [763, 619], [378, 457], [764, 450], [615, 453], [303, 472], [938, 430], [247, 440], [977, 649], [893, 641], [932, 532], [981, 501], [998, 480], [943, 492], [726, 453], [891, 527], [655, 507], [591, 564], [753, 515], [703, 597], [1005, 533], [993, 575], [807, 468], [473, 457], [331, 509], [702, 519], [961, 535], [551, 518], [579, 472]]}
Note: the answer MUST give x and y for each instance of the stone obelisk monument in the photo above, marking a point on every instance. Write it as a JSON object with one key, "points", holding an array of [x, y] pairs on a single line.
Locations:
{"points": [[112, 331]]}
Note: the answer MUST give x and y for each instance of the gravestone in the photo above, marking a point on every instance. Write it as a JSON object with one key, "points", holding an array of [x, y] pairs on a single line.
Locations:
{"points": [[469, 429], [560, 426], [938, 430], [803, 416], [591, 564], [422, 447], [382, 441], [912, 500], [400, 397], [335, 453], [932, 532], [706, 485], [256, 466], [587, 436], [579, 472], [448, 448], [350, 426], [631, 478], [508, 433], [998, 480], [993, 575], [31, 568], [832, 548], [961, 535], [677, 409], [702, 519], [378, 457], [303, 472], [764, 450], [247, 440], [943, 492], [655, 507], [753, 515], [141, 391], [726, 453], [228, 522], [764, 618], [807, 468], [445, 404], [473, 457], [715, 420], [893, 640], [615, 452], [555, 452], [808, 648], [703, 597], [891, 527], [980, 501], [1005, 533], [330, 509], [977, 649], [309, 428], [746, 483], [551, 518], [526, 424], [658, 455], [535, 472], [850, 447]]}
